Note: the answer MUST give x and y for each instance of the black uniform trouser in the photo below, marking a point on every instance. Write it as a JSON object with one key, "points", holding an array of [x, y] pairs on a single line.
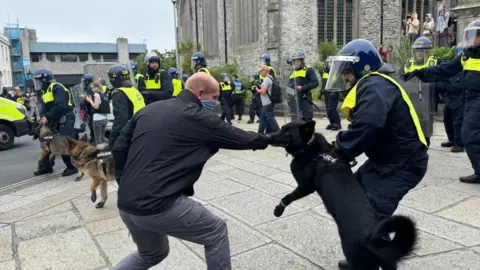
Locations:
{"points": [[90, 125], [255, 107], [453, 119], [237, 101], [65, 129], [305, 105], [227, 111], [331, 102], [471, 131]]}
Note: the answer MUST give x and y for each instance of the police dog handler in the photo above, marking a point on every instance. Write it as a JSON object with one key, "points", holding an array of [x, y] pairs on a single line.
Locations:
{"points": [[168, 143]]}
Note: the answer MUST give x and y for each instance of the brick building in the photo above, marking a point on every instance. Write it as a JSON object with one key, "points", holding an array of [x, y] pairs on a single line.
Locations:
{"points": [[245, 29]]}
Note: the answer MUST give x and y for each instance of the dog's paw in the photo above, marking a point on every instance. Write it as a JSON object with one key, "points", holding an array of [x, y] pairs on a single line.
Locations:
{"points": [[79, 177], [100, 204], [278, 210], [93, 197]]}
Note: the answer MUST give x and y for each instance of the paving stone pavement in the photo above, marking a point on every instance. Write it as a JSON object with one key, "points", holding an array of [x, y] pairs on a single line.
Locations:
{"points": [[53, 225]]}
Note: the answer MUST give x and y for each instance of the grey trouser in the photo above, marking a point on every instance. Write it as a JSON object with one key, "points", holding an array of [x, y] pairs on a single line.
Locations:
{"points": [[186, 219], [99, 131]]}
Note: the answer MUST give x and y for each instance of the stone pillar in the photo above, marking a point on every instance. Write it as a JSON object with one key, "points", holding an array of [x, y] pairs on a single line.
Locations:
{"points": [[369, 21], [122, 50]]}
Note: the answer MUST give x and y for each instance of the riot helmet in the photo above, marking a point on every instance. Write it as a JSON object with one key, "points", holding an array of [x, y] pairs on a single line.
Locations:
{"points": [[173, 73], [224, 77], [255, 76], [355, 60], [265, 59], [198, 61], [153, 63], [42, 78], [471, 35], [119, 76], [103, 82], [298, 59], [185, 77], [87, 79], [421, 50]]}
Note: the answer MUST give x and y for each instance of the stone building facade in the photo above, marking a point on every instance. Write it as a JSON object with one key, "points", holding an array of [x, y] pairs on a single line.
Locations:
{"points": [[466, 11], [279, 27]]}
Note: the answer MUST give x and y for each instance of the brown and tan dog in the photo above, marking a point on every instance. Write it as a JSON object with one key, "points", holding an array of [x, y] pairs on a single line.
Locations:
{"points": [[98, 164]]}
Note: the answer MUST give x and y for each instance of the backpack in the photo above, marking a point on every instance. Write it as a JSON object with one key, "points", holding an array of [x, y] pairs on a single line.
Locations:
{"points": [[276, 95]]}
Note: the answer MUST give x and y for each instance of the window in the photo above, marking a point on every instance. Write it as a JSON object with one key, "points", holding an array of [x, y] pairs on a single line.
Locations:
{"points": [[97, 57], [83, 57], [110, 57], [51, 57], [210, 26], [68, 57], [246, 23], [335, 21], [36, 57], [410, 6], [133, 56]]}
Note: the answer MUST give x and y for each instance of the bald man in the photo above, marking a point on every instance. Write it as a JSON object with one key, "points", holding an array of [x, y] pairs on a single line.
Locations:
{"points": [[168, 143]]}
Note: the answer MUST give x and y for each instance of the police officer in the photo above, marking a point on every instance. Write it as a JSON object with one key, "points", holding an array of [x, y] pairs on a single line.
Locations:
{"points": [[331, 103], [199, 64], [177, 84], [265, 60], [226, 98], [184, 80], [255, 106], [453, 111], [155, 84], [303, 79], [238, 95], [469, 63], [104, 86], [87, 79], [378, 108], [57, 109], [126, 100]]}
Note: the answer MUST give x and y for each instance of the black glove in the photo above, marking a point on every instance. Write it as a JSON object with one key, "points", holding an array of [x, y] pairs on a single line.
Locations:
{"points": [[409, 75]]}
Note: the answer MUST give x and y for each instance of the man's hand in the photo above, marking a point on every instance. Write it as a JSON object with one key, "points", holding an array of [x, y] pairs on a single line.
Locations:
{"points": [[44, 120], [409, 75]]}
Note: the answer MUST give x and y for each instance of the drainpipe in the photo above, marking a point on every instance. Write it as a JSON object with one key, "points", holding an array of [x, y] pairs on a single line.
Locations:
{"points": [[196, 23], [381, 21], [225, 29]]}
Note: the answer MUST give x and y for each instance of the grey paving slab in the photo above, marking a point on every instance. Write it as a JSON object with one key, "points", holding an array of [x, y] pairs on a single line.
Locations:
{"points": [[258, 182], [250, 166], [276, 162], [465, 188], [219, 156], [42, 186], [46, 225], [313, 236], [36, 207], [444, 228], [66, 206], [432, 198], [220, 168], [476, 249], [284, 177], [4, 199], [106, 225], [311, 201], [242, 237], [88, 211], [118, 245], [8, 265], [70, 250], [430, 244], [467, 212], [6, 250], [322, 211], [271, 257], [453, 260], [252, 207], [209, 191], [31, 198], [207, 177]]}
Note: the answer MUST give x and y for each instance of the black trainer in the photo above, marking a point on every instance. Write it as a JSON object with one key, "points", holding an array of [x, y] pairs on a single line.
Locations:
{"points": [[329, 127], [471, 179], [336, 127], [69, 171], [456, 149], [446, 144], [250, 121]]}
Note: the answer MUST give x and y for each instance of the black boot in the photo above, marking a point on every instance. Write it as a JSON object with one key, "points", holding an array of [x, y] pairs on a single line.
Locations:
{"points": [[329, 127], [446, 144], [456, 149], [336, 127], [44, 167], [69, 171], [471, 179], [250, 121], [343, 265]]}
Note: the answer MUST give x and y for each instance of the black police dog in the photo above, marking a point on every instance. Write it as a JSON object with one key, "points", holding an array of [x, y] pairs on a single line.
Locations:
{"points": [[315, 167]]}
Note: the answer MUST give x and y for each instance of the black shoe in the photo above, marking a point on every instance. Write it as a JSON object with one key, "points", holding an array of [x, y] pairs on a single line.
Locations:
{"points": [[456, 149], [69, 171], [239, 119], [343, 265], [335, 128], [471, 179], [43, 171], [446, 144], [258, 121], [250, 121], [329, 127]]}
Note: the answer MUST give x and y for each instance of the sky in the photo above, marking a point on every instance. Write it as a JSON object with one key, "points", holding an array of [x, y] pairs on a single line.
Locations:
{"points": [[140, 21]]}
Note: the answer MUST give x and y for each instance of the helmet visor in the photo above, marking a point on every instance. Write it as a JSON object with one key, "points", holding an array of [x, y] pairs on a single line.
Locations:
{"points": [[37, 85], [421, 55], [471, 37], [341, 76]]}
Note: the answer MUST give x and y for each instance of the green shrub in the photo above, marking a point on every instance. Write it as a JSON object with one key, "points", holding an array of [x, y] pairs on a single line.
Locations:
{"points": [[444, 53], [186, 50]]}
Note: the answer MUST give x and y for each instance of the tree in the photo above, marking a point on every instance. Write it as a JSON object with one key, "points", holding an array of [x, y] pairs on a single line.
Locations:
{"points": [[167, 60], [186, 50]]}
